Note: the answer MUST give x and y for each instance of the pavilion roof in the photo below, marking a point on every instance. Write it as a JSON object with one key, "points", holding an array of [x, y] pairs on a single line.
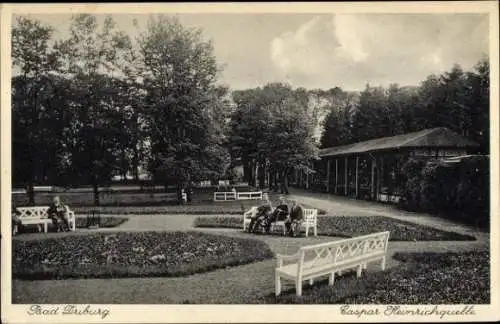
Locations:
{"points": [[439, 137]]}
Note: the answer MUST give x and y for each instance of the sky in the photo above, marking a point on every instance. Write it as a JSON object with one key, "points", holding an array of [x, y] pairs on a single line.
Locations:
{"points": [[327, 50]]}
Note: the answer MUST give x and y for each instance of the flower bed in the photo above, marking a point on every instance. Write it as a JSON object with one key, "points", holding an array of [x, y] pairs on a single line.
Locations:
{"points": [[423, 278], [137, 254], [352, 226]]}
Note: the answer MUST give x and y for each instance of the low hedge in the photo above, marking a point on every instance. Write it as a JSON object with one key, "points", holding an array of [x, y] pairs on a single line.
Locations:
{"points": [[352, 226], [136, 254], [423, 278], [459, 191]]}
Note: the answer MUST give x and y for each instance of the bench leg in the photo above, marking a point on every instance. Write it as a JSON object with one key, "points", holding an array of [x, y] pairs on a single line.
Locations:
{"points": [[315, 231], [311, 282], [45, 227], [39, 227], [358, 270], [331, 279], [298, 287], [365, 265], [307, 231], [277, 284], [383, 263]]}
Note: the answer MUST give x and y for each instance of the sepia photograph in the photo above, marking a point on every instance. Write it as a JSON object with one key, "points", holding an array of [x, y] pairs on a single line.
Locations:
{"points": [[172, 157]]}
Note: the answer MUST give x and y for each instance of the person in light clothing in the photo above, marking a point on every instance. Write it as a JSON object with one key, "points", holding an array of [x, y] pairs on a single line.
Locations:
{"points": [[58, 213]]}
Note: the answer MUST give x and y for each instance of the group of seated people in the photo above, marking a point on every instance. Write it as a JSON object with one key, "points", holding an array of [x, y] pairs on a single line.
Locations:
{"points": [[58, 213], [265, 216]]}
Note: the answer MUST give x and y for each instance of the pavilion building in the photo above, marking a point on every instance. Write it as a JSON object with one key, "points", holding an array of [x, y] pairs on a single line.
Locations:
{"points": [[372, 169]]}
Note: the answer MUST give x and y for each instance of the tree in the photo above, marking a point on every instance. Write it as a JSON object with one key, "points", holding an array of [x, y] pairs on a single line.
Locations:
{"points": [[92, 59], [478, 101], [272, 129], [370, 115], [337, 123], [180, 77], [36, 61]]}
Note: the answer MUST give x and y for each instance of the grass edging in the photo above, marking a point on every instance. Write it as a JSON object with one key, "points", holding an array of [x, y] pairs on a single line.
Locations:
{"points": [[352, 226]]}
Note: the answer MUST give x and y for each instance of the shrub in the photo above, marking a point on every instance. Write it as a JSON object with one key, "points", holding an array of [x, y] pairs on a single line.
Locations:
{"points": [[137, 254], [455, 190]]}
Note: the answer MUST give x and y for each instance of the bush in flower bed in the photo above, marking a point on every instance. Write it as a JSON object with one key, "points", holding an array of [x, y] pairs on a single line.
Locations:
{"points": [[352, 226], [423, 278], [135, 254]]}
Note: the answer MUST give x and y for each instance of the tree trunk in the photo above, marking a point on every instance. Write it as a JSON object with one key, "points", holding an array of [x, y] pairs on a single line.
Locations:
{"points": [[179, 193], [95, 188], [251, 174], [262, 174], [30, 190], [246, 172], [285, 182]]}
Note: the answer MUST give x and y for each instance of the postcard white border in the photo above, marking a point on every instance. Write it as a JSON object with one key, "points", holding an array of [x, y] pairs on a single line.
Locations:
{"points": [[242, 313]]}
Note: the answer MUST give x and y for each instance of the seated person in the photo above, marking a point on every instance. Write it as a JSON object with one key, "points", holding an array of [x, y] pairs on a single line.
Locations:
{"points": [[279, 214], [293, 221], [16, 222], [262, 211], [58, 213]]}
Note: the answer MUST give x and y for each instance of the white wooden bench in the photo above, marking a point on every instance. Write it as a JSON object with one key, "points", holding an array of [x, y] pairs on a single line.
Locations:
{"points": [[38, 216], [224, 195], [329, 258], [251, 195], [310, 220]]}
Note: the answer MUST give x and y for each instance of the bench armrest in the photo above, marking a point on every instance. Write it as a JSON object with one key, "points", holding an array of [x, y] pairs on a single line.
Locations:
{"points": [[281, 258], [249, 213]]}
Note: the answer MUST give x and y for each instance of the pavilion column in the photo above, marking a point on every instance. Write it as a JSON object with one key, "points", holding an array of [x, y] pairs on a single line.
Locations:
{"points": [[307, 180], [345, 178], [357, 176], [373, 178], [336, 173], [328, 176], [380, 178]]}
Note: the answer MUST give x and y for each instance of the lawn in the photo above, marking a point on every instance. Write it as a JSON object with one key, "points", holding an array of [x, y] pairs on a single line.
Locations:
{"points": [[138, 254], [139, 203], [423, 278], [352, 226]]}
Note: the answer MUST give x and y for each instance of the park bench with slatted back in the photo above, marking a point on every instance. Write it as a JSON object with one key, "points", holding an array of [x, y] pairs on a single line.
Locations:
{"points": [[330, 258], [310, 220], [38, 215]]}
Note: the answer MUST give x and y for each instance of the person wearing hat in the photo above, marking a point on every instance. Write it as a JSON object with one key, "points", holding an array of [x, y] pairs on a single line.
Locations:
{"points": [[292, 224], [262, 211], [279, 214]]}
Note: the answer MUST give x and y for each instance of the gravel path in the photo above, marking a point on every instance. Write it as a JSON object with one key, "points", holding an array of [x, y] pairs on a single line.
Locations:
{"points": [[229, 285]]}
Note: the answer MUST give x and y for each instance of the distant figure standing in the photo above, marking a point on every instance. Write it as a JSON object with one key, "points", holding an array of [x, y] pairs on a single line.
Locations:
{"points": [[262, 211], [58, 213], [295, 218]]}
